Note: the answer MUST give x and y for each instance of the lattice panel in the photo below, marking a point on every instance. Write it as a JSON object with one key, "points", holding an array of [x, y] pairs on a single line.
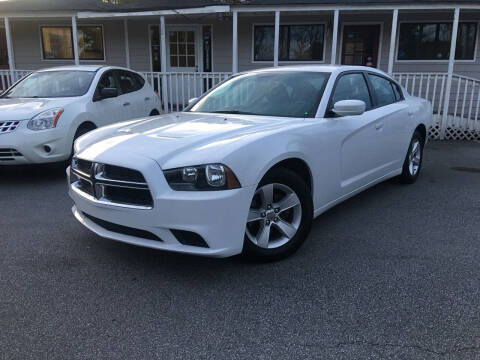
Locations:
{"points": [[434, 132], [452, 133]]}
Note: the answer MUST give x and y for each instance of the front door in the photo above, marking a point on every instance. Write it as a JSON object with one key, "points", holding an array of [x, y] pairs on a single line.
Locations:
{"points": [[182, 49], [184, 46], [360, 45]]}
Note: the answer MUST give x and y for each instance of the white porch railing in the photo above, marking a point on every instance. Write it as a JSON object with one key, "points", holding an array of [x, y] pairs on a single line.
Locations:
{"points": [[182, 86], [462, 120]]}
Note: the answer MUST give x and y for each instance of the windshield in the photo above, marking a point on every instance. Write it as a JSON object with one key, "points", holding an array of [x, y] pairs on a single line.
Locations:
{"points": [[51, 84], [288, 93]]}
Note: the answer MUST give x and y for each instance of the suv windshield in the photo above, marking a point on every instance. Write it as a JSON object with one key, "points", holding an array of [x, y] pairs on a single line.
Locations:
{"points": [[52, 84], [285, 93]]}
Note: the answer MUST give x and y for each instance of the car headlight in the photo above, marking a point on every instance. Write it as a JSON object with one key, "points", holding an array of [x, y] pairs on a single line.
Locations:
{"points": [[201, 178], [45, 120]]}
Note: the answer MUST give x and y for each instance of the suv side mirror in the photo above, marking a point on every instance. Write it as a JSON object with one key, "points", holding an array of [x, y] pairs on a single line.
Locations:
{"points": [[192, 100], [349, 107], [107, 93]]}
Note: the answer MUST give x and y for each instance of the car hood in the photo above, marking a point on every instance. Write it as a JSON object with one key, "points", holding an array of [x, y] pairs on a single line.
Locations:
{"points": [[174, 136], [26, 108]]}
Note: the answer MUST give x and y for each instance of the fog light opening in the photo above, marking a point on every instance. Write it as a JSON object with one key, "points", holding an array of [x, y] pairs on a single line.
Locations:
{"points": [[47, 149]]}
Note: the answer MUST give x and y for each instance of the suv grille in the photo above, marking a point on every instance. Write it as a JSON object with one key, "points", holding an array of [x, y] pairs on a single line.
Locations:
{"points": [[8, 126], [9, 154], [111, 184]]}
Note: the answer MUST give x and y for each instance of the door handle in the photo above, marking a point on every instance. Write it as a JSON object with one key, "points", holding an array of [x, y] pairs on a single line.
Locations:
{"points": [[147, 98], [379, 126], [126, 104]]}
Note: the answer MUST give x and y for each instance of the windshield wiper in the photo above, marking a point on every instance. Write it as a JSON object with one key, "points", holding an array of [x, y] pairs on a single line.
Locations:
{"points": [[232, 112]]}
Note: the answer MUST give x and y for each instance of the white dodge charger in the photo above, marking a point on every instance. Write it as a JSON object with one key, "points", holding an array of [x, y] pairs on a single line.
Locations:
{"points": [[42, 114], [247, 166]]}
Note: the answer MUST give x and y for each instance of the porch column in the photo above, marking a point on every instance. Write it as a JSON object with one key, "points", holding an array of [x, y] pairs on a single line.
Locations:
{"points": [[75, 40], [127, 49], [393, 38], [163, 63], [451, 62], [11, 60], [336, 14], [277, 38], [235, 43]]}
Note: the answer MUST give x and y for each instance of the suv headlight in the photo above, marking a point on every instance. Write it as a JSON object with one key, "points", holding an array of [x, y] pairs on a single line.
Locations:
{"points": [[45, 120], [201, 178]]}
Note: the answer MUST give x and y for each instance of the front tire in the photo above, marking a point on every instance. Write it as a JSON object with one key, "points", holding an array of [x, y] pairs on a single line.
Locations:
{"points": [[413, 161], [280, 216]]}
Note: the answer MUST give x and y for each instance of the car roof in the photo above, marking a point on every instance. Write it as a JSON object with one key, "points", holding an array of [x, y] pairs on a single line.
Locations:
{"points": [[82, 68], [320, 68]]}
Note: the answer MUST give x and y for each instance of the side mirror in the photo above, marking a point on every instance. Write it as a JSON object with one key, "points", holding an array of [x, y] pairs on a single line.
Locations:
{"points": [[192, 100], [107, 93], [349, 107]]}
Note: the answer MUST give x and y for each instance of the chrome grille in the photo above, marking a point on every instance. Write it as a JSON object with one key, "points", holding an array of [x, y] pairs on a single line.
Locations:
{"points": [[8, 126], [109, 184], [9, 154]]}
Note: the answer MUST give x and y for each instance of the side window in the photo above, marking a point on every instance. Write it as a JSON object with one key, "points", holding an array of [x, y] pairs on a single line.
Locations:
{"points": [[352, 87], [140, 80], [383, 90], [128, 82], [397, 91], [108, 80]]}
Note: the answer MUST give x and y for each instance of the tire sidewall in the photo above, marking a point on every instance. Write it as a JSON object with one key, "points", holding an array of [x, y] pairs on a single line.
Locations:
{"points": [[292, 180], [407, 177]]}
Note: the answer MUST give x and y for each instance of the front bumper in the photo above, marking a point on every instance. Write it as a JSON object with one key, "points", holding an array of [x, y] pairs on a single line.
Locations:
{"points": [[30, 146], [219, 217]]}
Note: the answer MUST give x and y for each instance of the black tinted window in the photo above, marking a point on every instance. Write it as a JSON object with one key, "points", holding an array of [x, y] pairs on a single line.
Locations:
{"points": [[109, 80], [128, 82], [383, 90], [397, 91], [140, 80], [352, 87]]}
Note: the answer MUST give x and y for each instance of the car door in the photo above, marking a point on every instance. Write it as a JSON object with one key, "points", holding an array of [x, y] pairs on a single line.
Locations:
{"points": [[109, 110], [133, 99], [359, 136], [393, 113]]}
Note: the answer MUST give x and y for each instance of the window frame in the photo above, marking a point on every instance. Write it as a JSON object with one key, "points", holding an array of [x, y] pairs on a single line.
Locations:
{"points": [[435, 21], [374, 94], [328, 111], [323, 61], [104, 60]]}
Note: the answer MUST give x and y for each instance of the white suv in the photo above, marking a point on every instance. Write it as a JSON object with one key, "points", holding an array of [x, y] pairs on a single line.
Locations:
{"points": [[42, 114]]}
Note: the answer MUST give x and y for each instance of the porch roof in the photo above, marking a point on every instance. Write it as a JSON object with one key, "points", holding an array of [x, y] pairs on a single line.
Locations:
{"points": [[151, 5]]}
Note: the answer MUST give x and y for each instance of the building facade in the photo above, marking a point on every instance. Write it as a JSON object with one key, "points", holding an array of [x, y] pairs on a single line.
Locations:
{"points": [[185, 47]]}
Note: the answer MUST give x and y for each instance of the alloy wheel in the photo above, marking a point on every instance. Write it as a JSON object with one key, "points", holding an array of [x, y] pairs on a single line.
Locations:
{"points": [[274, 216], [415, 157]]}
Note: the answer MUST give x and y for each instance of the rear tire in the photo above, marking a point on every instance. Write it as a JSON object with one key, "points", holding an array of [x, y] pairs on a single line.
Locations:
{"points": [[280, 216], [413, 161], [154, 112]]}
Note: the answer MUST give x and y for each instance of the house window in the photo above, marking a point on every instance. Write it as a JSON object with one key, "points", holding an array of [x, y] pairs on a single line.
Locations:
{"points": [[57, 43], [431, 41], [296, 42]]}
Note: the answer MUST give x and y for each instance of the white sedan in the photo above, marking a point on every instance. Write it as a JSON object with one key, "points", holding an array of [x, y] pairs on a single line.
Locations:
{"points": [[246, 167], [42, 114]]}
